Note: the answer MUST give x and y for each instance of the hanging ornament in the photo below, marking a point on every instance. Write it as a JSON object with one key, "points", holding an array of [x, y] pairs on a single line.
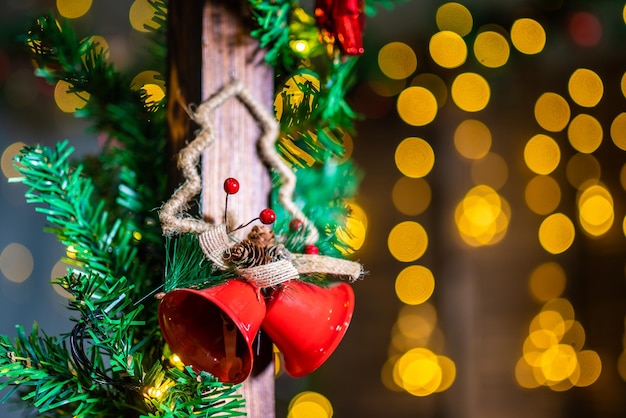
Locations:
{"points": [[344, 21], [213, 329]]}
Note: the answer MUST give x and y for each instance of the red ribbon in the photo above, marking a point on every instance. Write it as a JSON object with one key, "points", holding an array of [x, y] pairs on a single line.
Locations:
{"points": [[343, 20]]}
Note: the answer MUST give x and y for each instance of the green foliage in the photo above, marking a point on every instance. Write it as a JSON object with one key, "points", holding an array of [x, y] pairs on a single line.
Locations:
{"points": [[190, 393], [320, 192], [187, 266], [103, 245], [103, 212], [41, 367], [135, 125]]}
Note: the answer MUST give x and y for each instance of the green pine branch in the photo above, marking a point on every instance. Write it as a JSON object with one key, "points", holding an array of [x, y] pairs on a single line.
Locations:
{"points": [[79, 220], [134, 124], [184, 393], [186, 265], [321, 193], [41, 368]]}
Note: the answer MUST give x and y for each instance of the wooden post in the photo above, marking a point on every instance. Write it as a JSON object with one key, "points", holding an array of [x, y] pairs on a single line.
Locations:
{"points": [[211, 38]]}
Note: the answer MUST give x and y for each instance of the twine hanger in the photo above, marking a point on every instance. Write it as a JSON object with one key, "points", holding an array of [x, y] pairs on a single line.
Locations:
{"points": [[214, 239]]}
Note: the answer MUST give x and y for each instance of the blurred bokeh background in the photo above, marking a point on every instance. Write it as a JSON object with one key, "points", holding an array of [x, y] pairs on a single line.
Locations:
{"points": [[491, 216]]}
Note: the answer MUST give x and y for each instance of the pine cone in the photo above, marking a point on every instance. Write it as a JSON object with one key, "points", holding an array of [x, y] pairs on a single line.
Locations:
{"points": [[247, 254], [278, 252], [262, 236]]}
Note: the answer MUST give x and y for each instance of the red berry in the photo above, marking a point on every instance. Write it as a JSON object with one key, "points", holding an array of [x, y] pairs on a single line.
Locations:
{"points": [[311, 249], [231, 185], [267, 216], [295, 225]]}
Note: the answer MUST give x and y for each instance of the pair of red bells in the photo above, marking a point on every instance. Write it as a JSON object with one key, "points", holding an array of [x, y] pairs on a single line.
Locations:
{"points": [[213, 329]]}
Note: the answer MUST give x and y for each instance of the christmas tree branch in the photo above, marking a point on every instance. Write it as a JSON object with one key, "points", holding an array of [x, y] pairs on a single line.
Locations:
{"points": [[134, 122], [104, 245]]}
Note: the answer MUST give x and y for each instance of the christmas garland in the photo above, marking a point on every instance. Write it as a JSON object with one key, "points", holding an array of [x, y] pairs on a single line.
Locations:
{"points": [[113, 362]]}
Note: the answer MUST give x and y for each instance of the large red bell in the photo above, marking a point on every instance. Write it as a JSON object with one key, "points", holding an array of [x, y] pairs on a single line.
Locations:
{"points": [[213, 329], [307, 322]]}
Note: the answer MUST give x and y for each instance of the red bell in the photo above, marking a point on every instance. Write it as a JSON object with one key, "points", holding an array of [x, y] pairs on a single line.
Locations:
{"points": [[307, 322], [213, 329]]}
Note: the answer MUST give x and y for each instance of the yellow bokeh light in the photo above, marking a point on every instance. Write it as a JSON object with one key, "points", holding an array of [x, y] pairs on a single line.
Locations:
{"points": [[295, 90], [528, 36], [407, 241], [419, 371], [98, 45], [434, 84], [551, 352], [549, 321], [411, 196], [470, 92], [154, 93], [308, 409], [472, 139], [7, 162], [574, 335], [140, 16], [417, 321], [618, 131], [563, 307], [147, 77], [542, 195], [414, 157], [310, 404], [68, 100], [524, 375], [491, 49], [621, 365], [491, 170], [72, 9], [417, 106], [558, 362], [415, 285], [585, 87], [348, 148], [482, 216], [397, 60], [447, 49], [582, 170], [590, 368], [556, 233], [623, 81], [585, 133], [552, 112], [454, 17], [16, 262], [595, 210], [547, 281], [354, 232], [422, 377], [448, 373], [542, 154], [388, 376], [60, 269]]}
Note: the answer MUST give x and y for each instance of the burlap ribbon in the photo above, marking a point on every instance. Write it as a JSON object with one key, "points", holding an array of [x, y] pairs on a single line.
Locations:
{"points": [[215, 242]]}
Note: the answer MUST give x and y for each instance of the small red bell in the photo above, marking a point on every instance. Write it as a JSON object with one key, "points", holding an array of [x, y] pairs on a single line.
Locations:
{"points": [[213, 329], [307, 322]]}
